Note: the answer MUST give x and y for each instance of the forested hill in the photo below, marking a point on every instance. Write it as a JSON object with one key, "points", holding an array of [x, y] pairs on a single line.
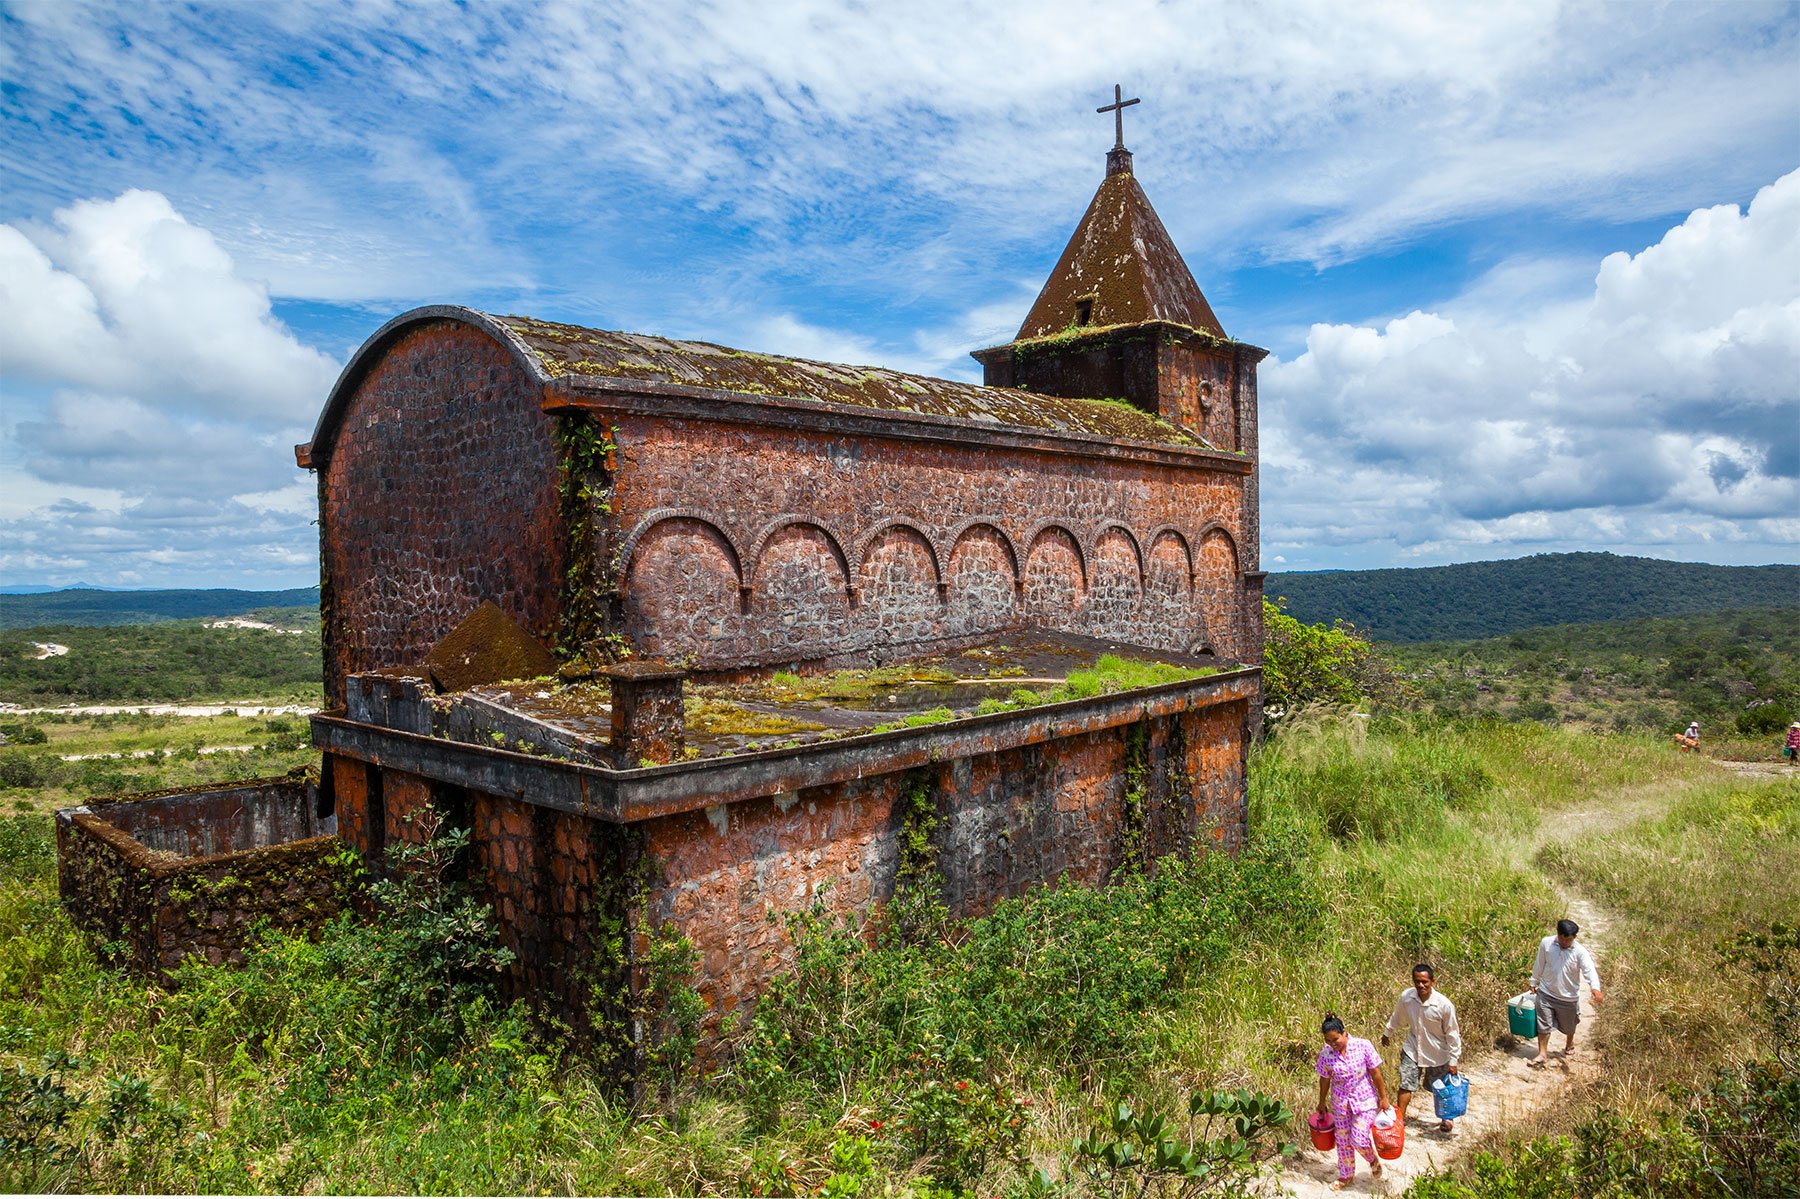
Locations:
{"points": [[1486, 599], [89, 606]]}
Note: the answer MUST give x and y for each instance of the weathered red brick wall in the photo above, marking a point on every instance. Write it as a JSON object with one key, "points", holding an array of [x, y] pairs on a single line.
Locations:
{"points": [[440, 492], [160, 906], [1199, 392], [1005, 822], [350, 790], [740, 547]]}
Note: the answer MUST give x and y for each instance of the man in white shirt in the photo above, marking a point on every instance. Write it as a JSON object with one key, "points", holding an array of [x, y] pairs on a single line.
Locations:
{"points": [[1561, 968], [1433, 1043]]}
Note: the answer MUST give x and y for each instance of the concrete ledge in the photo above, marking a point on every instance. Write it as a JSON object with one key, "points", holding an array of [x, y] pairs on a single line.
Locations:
{"points": [[629, 796]]}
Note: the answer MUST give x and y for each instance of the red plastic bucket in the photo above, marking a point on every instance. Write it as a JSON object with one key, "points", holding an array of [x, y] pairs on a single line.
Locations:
{"points": [[1389, 1141], [1324, 1132]]}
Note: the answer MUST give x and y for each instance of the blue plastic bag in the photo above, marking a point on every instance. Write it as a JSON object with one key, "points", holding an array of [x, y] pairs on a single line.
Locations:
{"points": [[1450, 1096]]}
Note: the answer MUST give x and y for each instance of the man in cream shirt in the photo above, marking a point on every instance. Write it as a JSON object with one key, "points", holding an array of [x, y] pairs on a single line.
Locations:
{"points": [[1561, 967], [1433, 1043]]}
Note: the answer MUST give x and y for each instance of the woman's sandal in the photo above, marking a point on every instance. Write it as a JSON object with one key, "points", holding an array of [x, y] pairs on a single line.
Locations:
{"points": [[1341, 1184]]}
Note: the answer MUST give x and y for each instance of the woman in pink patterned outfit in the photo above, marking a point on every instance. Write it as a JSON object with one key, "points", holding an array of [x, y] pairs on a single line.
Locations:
{"points": [[1350, 1078]]}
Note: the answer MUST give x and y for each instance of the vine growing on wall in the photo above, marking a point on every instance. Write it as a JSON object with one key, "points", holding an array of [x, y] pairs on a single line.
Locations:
{"points": [[640, 1006], [1135, 799], [586, 457], [917, 908]]}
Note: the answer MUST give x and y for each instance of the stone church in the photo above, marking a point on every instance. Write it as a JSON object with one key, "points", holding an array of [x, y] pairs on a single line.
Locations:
{"points": [[689, 636]]}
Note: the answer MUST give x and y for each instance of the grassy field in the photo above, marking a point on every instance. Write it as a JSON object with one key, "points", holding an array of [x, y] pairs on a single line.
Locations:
{"points": [[81, 756], [1373, 844], [1738, 673], [174, 661]]}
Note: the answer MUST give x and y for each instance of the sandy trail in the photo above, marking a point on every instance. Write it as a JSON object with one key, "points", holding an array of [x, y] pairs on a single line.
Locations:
{"points": [[1503, 1090]]}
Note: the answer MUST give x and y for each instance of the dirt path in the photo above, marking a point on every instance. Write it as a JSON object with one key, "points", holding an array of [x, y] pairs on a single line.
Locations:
{"points": [[1503, 1090]]}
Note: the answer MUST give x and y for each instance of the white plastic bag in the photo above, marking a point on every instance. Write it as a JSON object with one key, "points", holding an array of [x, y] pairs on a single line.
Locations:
{"points": [[1384, 1118]]}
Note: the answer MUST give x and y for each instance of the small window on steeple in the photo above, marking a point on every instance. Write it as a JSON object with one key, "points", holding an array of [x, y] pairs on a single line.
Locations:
{"points": [[1084, 312]]}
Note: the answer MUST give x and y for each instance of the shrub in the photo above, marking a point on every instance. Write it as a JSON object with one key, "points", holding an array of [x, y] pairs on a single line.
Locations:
{"points": [[1307, 664], [20, 769], [1764, 719], [1063, 975]]}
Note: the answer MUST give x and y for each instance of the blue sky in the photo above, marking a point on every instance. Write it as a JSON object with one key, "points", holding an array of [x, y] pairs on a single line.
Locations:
{"points": [[1531, 277]]}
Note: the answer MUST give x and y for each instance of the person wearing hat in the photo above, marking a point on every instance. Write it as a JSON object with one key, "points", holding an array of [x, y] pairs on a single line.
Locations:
{"points": [[1792, 751], [1690, 740]]}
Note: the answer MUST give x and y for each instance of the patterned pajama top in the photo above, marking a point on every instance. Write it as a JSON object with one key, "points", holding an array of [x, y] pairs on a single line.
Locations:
{"points": [[1351, 1091]]}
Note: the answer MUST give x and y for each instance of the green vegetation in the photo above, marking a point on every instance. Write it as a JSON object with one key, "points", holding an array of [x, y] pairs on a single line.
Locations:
{"points": [[1074, 1041], [1109, 673], [56, 761], [924, 1056], [1701, 1107], [86, 606], [1311, 664], [1485, 599], [168, 662], [1738, 673]]}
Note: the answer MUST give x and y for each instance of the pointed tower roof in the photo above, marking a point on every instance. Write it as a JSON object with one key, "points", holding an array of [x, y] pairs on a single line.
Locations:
{"points": [[1120, 268]]}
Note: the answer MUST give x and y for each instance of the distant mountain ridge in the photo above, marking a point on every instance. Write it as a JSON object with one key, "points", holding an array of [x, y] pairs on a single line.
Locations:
{"points": [[91, 606], [1487, 599], [1422, 603]]}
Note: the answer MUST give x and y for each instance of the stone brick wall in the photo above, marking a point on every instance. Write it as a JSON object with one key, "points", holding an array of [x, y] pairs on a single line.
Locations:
{"points": [[440, 491], [1006, 822], [189, 874], [743, 548], [732, 545]]}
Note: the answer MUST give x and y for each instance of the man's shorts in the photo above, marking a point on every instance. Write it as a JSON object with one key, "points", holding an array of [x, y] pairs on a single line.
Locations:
{"points": [[1411, 1076], [1557, 1015]]}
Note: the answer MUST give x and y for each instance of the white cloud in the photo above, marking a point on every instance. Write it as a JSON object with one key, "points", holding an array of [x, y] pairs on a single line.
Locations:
{"points": [[127, 297], [345, 145], [145, 379], [1665, 410]]}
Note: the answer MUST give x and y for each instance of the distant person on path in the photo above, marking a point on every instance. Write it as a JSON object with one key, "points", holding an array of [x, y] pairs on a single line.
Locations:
{"points": [[1558, 974], [1690, 740], [1433, 1043], [1350, 1082], [1792, 750]]}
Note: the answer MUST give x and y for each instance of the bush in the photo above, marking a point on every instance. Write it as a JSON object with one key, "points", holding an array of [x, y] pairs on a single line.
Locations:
{"points": [[1064, 976], [1764, 719], [20, 769], [1312, 664]]}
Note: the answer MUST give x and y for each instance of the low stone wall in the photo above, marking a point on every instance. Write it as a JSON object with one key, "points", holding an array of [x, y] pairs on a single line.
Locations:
{"points": [[160, 878]]}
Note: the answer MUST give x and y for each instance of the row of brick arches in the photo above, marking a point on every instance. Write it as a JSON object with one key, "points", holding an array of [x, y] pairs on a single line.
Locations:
{"points": [[798, 594]]}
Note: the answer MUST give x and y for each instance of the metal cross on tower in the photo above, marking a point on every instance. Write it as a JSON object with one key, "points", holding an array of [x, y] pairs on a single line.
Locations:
{"points": [[1117, 108]]}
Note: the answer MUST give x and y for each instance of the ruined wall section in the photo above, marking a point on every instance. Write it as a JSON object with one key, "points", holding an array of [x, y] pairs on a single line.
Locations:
{"points": [[744, 546], [193, 874], [440, 492], [1074, 810]]}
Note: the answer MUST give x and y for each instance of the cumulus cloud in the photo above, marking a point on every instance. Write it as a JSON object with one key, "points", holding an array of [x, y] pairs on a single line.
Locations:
{"points": [[124, 295], [1662, 411], [146, 375]]}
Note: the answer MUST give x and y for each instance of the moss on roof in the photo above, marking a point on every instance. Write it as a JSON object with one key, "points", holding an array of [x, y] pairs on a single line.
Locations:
{"points": [[1122, 263], [574, 350]]}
